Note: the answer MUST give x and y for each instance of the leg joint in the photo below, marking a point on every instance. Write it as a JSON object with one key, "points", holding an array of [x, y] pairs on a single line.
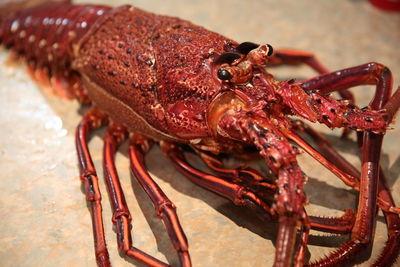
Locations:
{"points": [[377, 70], [91, 188], [124, 247], [164, 205], [102, 258], [121, 213]]}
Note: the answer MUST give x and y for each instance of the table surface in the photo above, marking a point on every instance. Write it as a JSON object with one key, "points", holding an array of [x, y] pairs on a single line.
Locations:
{"points": [[44, 216]]}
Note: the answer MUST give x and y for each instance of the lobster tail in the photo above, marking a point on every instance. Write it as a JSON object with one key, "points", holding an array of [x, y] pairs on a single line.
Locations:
{"points": [[15, 5], [46, 33]]}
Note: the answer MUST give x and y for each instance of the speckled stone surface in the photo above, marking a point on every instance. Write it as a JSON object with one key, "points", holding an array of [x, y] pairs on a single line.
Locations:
{"points": [[44, 217]]}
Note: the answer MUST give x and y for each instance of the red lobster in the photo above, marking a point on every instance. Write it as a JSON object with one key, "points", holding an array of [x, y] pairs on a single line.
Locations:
{"points": [[162, 79]]}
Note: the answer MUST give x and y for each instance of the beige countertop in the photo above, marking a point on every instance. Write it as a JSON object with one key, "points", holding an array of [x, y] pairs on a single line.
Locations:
{"points": [[44, 217]]}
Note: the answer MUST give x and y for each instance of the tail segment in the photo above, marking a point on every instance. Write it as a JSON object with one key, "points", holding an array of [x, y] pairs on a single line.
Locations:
{"points": [[43, 33], [15, 5]]}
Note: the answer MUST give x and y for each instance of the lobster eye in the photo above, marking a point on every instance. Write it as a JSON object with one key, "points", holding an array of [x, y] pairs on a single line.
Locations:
{"points": [[224, 75], [270, 50], [246, 47], [227, 58]]}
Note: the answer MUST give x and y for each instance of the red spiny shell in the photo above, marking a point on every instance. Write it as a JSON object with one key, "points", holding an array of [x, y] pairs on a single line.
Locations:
{"points": [[158, 65]]}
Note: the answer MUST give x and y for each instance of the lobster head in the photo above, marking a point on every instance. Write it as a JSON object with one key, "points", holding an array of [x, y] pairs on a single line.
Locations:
{"points": [[199, 80], [243, 80], [237, 68]]}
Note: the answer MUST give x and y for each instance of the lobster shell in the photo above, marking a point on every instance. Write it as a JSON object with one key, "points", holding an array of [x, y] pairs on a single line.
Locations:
{"points": [[254, 245]]}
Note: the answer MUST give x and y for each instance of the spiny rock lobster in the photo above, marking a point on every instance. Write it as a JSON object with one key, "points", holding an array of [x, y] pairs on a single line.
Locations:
{"points": [[175, 83]]}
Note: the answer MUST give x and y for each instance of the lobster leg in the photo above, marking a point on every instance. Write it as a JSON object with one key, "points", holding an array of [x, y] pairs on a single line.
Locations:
{"points": [[370, 73], [290, 198], [246, 175], [300, 255], [335, 163], [280, 156], [390, 251], [365, 221], [362, 234], [333, 158], [347, 178], [296, 57], [317, 106], [238, 194], [92, 120], [340, 225], [165, 209], [366, 74], [115, 135]]}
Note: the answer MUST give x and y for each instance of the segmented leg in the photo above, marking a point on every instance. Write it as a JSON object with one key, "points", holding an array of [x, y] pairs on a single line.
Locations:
{"points": [[165, 209], [238, 194], [366, 74], [340, 225], [315, 105], [391, 250], [290, 198], [300, 255], [333, 161], [362, 234], [287, 224], [347, 178], [63, 84], [335, 165], [92, 120], [280, 156], [263, 186], [121, 218], [371, 73]]}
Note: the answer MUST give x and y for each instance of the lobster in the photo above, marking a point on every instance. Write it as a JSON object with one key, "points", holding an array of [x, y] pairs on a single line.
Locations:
{"points": [[167, 81]]}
